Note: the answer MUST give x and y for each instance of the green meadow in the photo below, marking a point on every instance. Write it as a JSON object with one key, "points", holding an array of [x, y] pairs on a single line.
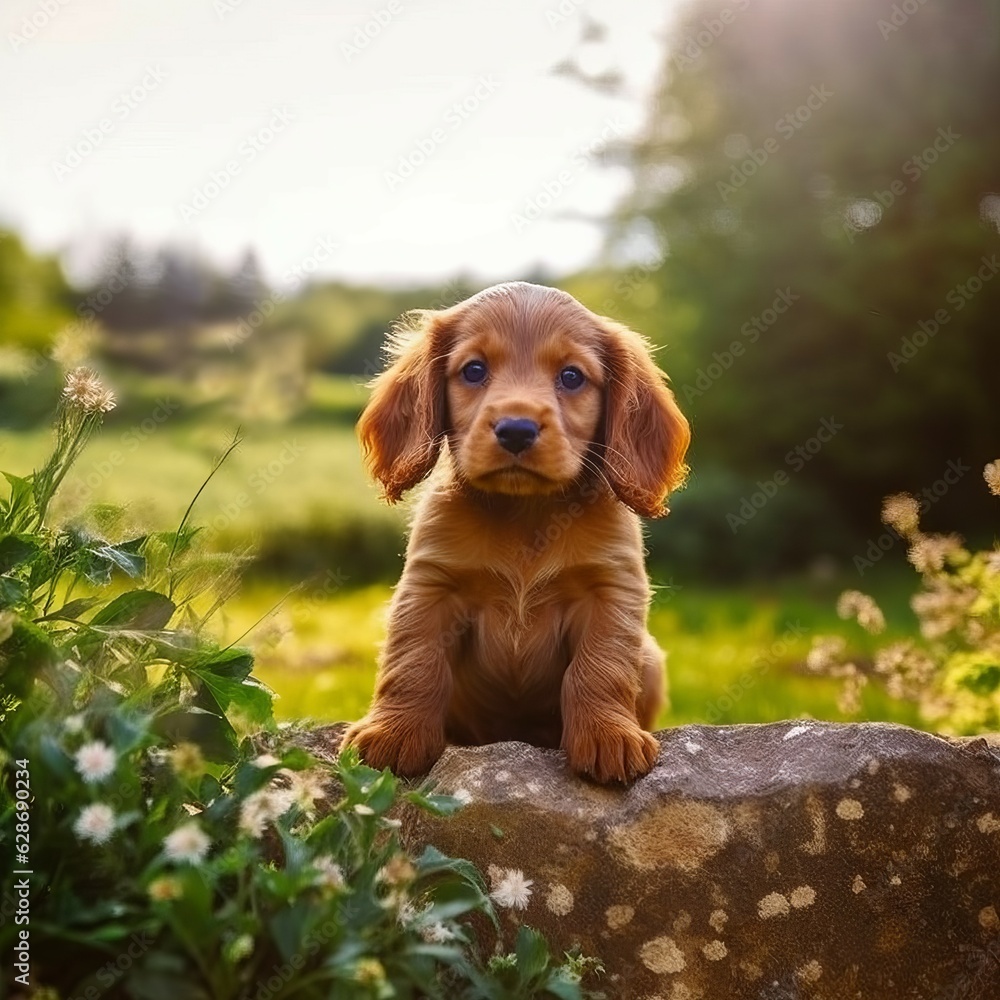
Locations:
{"points": [[321, 552]]}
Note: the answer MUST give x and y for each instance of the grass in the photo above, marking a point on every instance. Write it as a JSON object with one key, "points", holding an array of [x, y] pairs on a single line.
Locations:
{"points": [[734, 655], [296, 492]]}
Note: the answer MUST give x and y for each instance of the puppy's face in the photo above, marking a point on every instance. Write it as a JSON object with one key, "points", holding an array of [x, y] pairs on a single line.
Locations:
{"points": [[531, 391], [524, 385]]}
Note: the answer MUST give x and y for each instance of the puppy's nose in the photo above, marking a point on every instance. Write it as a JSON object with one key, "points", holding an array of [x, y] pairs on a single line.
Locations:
{"points": [[516, 434]]}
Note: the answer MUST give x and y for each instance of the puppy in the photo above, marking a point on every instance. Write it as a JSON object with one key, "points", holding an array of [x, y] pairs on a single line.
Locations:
{"points": [[521, 610]]}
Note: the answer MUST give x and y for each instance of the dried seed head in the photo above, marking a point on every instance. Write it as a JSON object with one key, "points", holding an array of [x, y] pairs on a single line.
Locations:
{"points": [[902, 512], [85, 391], [992, 476]]}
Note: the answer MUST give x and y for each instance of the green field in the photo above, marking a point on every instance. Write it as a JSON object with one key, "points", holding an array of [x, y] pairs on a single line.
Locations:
{"points": [[312, 605], [734, 655]]}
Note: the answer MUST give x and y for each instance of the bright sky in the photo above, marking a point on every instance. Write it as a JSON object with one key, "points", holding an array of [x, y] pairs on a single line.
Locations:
{"points": [[227, 123]]}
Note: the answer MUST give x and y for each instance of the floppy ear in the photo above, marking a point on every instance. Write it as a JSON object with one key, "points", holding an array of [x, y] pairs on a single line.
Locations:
{"points": [[402, 426], [645, 434]]}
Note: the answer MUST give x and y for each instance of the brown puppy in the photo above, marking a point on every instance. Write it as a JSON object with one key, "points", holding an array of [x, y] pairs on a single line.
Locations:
{"points": [[521, 611]]}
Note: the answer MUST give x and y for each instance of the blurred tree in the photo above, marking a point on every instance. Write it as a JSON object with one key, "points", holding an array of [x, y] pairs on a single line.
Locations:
{"points": [[34, 297], [246, 288], [184, 288], [823, 179]]}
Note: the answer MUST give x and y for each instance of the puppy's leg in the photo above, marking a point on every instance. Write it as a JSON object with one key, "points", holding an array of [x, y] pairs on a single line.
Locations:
{"points": [[653, 679], [404, 727], [602, 736]]}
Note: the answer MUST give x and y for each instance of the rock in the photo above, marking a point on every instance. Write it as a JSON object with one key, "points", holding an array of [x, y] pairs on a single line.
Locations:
{"points": [[792, 860]]}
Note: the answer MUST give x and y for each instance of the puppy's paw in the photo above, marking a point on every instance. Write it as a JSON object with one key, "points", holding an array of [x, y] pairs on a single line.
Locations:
{"points": [[406, 749], [610, 751]]}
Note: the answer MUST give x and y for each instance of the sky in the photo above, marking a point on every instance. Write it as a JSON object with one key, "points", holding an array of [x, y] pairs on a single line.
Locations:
{"points": [[397, 141]]}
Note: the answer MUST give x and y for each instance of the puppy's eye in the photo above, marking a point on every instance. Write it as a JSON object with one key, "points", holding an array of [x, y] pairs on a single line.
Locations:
{"points": [[571, 378], [474, 372]]}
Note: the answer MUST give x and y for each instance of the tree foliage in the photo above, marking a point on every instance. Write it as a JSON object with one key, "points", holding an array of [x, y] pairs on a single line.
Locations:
{"points": [[844, 157]]}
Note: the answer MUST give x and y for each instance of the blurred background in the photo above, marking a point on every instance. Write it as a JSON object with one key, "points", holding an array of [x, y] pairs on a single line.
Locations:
{"points": [[223, 205]]}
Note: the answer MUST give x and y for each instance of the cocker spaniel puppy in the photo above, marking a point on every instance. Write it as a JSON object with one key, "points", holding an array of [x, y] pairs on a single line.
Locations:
{"points": [[521, 610]]}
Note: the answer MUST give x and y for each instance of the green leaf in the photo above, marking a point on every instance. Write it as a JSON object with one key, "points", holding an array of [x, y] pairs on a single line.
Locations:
{"points": [[43, 568], [532, 953], [17, 549], [439, 805], [25, 653], [210, 730], [20, 491], [54, 757], [455, 899], [143, 610], [250, 698], [161, 976], [288, 926], [249, 778], [12, 592], [234, 663], [381, 792], [563, 988], [127, 731], [297, 758], [72, 611]]}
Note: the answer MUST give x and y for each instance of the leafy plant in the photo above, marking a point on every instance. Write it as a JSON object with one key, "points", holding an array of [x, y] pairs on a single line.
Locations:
{"points": [[953, 670], [168, 855]]}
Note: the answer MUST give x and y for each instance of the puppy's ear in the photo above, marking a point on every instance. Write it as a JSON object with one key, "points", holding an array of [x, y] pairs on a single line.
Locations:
{"points": [[645, 434], [402, 426]]}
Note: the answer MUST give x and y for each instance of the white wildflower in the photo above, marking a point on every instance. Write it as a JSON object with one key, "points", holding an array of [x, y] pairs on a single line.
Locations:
{"points": [[188, 843], [437, 933], [329, 875], [398, 871], [306, 788], [95, 761], [95, 823], [263, 807], [512, 890], [73, 724], [362, 810]]}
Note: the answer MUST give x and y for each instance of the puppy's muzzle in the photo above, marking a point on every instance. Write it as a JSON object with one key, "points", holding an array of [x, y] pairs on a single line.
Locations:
{"points": [[516, 434]]}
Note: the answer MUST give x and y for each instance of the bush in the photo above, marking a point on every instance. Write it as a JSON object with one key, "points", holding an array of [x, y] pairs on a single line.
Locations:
{"points": [[716, 531], [952, 671], [159, 852]]}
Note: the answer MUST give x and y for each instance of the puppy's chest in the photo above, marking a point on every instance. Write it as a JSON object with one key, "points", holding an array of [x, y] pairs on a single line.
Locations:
{"points": [[514, 627]]}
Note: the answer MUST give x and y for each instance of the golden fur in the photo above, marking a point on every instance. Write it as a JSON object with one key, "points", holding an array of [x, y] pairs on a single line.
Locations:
{"points": [[521, 610]]}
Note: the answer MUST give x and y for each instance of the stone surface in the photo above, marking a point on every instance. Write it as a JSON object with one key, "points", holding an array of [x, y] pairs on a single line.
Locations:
{"points": [[793, 860]]}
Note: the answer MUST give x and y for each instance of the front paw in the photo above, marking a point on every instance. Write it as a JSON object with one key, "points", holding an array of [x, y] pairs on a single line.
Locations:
{"points": [[406, 749], [610, 750]]}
